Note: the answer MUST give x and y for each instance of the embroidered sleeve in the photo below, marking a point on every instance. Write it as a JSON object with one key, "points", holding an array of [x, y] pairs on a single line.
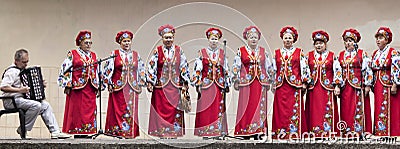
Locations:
{"points": [[141, 75], [378, 61], [65, 77], [366, 70], [305, 70], [395, 68], [184, 67], [109, 70], [236, 66], [152, 68], [337, 70], [198, 67]]}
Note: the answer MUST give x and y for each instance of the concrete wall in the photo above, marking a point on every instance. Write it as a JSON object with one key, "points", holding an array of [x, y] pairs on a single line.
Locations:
{"points": [[47, 28]]}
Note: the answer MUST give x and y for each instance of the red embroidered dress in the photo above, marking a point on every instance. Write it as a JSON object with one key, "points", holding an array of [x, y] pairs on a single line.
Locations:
{"points": [[167, 70], [288, 119], [126, 73], [321, 105], [253, 70], [80, 106], [210, 73], [354, 109], [385, 65]]}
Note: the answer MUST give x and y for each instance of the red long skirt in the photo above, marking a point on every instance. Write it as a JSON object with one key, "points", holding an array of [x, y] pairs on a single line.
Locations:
{"points": [[251, 115], [288, 119], [166, 120], [387, 111], [122, 113], [210, 113], [80, 111], [352, 109], [322, 112]]}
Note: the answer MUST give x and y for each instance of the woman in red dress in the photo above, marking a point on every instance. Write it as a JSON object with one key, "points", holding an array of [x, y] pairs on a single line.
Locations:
{"points": [[292, 77], [357, 75], [79, 79], [253, 75], [167, 74], [210, 78], [326, 78], [124, 76], [385, 65]]}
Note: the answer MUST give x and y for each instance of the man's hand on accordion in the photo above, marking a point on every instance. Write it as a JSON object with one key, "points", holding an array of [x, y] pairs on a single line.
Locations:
{"points": [[23, 90]]}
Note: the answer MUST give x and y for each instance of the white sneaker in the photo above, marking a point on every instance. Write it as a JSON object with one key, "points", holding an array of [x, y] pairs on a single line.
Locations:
{"points": [[59, 135]]}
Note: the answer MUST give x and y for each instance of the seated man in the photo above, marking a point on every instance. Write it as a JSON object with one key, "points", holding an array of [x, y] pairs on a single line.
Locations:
{"points": [[11, 86]]}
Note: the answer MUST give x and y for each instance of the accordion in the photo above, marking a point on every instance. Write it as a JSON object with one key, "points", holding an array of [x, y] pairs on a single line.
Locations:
{"points": [[32, 78]]}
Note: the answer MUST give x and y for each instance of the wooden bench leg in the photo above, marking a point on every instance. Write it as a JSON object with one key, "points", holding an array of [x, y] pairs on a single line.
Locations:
{"points": [[22, 123]]}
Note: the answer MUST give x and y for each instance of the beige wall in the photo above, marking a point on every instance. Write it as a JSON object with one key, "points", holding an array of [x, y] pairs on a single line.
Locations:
{"points": [[47, 28]]}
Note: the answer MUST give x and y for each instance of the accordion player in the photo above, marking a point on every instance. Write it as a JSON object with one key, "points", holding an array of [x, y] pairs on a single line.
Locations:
{"points": [[32, 78]]}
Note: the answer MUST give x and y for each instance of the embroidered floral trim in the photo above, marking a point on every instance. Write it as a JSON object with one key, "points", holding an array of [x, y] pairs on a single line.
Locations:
{"points": [[174, 130], [214, 74], [358, 124], [170, 72], [294, 126], [126, 127], [257, 126], [382, 127], [217, 127], [85, 128], [328, 119]]}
